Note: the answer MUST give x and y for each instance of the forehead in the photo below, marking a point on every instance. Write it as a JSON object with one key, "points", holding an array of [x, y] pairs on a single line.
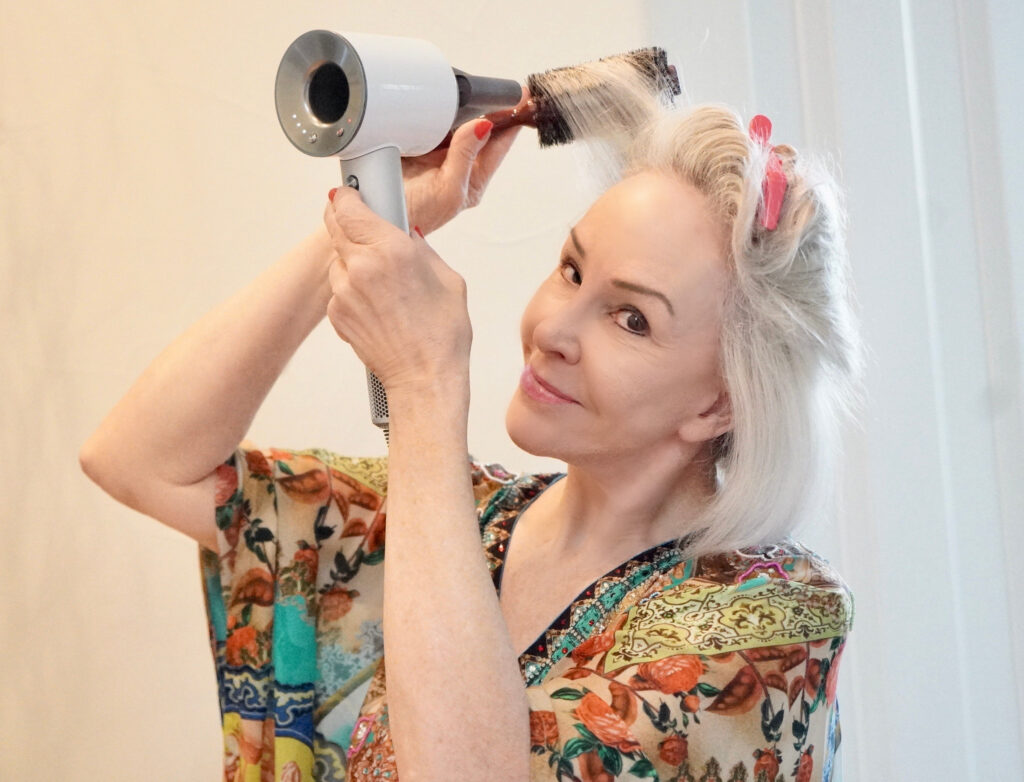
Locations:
{"points": [[655, 229]]}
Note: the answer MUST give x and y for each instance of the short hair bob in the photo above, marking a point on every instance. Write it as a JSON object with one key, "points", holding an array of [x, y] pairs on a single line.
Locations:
{"points": [[790, 351]]}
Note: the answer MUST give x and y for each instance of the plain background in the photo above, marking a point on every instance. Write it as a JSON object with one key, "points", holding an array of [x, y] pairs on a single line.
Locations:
{"points": [[145, 178]]}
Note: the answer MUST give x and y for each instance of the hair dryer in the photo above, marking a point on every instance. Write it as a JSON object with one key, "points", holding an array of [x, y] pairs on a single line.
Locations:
{"points": [[369, 100]]}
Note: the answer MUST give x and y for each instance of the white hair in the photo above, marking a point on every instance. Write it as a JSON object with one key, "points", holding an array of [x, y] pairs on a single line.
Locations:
{"points": [[790, 351]]}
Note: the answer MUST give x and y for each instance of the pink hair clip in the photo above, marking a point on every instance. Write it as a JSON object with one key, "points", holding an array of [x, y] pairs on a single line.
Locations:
{"points": [[774, 188]]}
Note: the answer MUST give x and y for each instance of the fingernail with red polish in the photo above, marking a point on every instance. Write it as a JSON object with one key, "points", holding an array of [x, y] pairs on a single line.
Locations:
{"points": [[483, 127], [330, 195], [416, 228]]}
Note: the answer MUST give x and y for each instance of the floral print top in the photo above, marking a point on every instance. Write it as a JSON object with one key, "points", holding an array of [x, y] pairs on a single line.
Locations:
{"points": [[719, 669]]}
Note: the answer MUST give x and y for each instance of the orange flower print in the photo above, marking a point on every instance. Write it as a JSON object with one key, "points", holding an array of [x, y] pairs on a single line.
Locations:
{"points": [[813, 678], [257, 463], [671, 675], [231, 757], [601, 720], [250, 741], [267, 759], [766, 764], [336, 603], [832, 678], [242, 639], [255, 587], [290, 772], [375, 538], [311, 487], [543, 729], [308, 557], [673, 750], [592, 768], [226, 483], [805, 767], [281, 456], [593, 646]]}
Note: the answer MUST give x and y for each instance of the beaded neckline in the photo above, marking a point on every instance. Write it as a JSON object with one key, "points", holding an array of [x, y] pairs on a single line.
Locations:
{"points": [[589, 611]]}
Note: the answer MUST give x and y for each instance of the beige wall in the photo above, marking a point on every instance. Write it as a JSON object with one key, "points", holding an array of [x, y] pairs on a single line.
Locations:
{"points": [[144, 178]]}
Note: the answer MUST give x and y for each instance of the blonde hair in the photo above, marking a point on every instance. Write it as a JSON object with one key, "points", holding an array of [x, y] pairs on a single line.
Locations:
{"points": [[790, 353]]}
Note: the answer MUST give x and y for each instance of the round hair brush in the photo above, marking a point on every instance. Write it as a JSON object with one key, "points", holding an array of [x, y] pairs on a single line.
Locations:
{"points": [[605, 96]]}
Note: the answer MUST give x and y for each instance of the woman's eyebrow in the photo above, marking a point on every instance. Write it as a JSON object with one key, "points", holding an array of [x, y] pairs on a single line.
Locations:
{"points": [[636, 288], [576, 241], [629, 286]]}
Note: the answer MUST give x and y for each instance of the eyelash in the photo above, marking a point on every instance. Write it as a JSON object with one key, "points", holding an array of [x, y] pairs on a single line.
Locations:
{"points": [[568, 267]]}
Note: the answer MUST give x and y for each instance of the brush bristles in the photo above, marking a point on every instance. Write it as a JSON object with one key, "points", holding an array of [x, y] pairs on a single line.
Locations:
{"points": [[610, 94]]}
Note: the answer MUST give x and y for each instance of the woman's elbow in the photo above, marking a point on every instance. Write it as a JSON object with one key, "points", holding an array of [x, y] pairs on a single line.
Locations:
{"points": [[97, 463]]}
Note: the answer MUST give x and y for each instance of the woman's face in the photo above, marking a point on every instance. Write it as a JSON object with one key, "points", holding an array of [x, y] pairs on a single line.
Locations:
{"points": [[621, 342]]}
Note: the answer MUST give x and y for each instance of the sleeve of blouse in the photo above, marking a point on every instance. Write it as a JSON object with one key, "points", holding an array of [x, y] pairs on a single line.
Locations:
{"points": [[294, 600], [646, 700]]}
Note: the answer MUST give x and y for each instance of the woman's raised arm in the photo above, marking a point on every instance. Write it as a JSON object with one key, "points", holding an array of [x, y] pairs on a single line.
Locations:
{"points": [[158, 449]]}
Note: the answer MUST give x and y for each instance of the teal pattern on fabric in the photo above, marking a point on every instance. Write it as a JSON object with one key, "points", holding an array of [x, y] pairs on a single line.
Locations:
{"points": [[594, 613], [215, 605], [294, 642]]}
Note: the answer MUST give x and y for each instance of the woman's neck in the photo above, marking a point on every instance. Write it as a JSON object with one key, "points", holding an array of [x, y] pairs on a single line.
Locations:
{"points": [[616, 508]]}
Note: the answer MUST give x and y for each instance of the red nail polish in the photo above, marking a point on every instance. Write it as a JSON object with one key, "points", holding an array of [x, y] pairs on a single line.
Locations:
{"points": [[330, 195], [416, 228], [483, 127]]}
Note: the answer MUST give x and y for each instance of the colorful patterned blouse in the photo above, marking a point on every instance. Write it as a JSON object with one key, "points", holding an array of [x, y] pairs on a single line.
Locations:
{"points": [[721, 669]]}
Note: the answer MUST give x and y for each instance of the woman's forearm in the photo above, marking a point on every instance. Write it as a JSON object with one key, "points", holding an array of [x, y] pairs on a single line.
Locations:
{"points": [[194, 403], [456, 699]]}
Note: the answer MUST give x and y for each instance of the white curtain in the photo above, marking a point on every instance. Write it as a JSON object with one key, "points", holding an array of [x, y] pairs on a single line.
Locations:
{"points": [[920, 103], [143, 177]]}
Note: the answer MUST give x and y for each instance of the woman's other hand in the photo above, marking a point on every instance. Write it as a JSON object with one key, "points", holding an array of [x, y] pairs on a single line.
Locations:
{"points": [[400, 306], [442, 183]]}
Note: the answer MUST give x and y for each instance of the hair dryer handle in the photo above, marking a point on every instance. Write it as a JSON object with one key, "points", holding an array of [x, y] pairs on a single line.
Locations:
{"points": [[377, 176]]}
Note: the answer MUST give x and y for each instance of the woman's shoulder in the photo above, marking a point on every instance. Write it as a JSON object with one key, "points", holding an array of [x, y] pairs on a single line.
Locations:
{"points": [[738, 600], [494, 487], [370, 471], [500, 492], [788, 561]]}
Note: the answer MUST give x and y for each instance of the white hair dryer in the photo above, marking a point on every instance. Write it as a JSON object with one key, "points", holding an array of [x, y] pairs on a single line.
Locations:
{"points": [[369, 100]]}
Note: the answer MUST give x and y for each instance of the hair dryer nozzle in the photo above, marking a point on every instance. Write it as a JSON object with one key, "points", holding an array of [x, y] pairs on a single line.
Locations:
{"points": [[349, 95], [483, 94]]}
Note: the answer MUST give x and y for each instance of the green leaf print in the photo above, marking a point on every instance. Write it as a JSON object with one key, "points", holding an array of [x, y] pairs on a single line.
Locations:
{"points": [[567, 694], [576, 747], [226, 512], [644, 768], [565, 770], [320, 528], [611, 758], [707, 689]]}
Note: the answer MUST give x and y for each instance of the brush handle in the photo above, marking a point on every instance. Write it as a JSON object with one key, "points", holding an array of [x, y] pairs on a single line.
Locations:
{"points": [[523, 114]]}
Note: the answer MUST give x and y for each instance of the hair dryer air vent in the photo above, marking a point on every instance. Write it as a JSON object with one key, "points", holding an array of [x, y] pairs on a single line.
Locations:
{"points": [[349, 95]]}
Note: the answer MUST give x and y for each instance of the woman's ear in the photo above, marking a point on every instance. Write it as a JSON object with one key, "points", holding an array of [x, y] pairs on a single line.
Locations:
{"points": [[709, 424]]}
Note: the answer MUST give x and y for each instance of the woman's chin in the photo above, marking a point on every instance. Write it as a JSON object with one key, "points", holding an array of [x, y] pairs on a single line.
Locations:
{"points": [[535, 437]]}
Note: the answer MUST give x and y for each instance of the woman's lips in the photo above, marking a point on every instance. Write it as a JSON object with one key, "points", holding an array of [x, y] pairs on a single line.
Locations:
{"points": [[537, 389]]}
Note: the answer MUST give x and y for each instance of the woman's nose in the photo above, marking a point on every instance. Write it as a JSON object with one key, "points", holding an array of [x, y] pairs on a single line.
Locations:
{"points": [[557, 332]]}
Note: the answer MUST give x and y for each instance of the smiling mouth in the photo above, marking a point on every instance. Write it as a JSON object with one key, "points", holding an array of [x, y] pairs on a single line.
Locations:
{"points": [[538, 390]]}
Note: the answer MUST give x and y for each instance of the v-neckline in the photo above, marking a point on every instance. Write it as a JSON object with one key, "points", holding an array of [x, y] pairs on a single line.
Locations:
{"points": [[587, 612]]}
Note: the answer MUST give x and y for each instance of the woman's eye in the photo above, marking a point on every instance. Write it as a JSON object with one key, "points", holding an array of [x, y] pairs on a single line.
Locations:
{"points": [[571, 273], [632, 321]]}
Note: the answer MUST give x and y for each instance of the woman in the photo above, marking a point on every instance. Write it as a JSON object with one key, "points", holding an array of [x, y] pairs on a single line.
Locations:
{"points": [[685, 358]]}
